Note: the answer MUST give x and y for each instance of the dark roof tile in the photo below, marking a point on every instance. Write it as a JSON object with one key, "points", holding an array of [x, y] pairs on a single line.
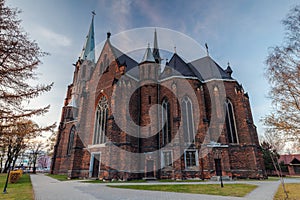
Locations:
{"points": [[206, 68]]}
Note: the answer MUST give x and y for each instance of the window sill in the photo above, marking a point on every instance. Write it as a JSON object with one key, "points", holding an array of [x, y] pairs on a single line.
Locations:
{"points": [[96, 145], [194, 168], [168, 168]]}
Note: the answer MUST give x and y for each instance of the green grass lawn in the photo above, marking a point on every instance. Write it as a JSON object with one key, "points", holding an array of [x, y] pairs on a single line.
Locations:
{"points": [[169, 180], [293, 190], [22, 190], [100, 181], [237, 190], [60, 177]]}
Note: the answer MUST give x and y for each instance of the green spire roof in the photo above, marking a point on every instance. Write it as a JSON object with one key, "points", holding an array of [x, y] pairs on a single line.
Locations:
{"points": [[88, 51]]}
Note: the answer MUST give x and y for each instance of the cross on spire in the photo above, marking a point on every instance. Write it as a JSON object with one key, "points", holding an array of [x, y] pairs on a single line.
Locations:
{"points": [[207, 52]]}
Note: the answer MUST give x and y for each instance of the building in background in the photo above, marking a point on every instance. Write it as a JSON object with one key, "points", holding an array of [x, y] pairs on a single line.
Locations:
{"points": [[292, 162]]}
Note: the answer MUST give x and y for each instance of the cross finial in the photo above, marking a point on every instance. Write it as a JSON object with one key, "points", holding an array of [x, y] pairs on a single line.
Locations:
{"points": [[93, 13], [206, 46], [228, 64], [108, 35], [175, 49]]}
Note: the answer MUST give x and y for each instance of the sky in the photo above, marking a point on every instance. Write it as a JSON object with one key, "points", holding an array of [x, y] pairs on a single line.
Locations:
{"points": [[239, 32]]}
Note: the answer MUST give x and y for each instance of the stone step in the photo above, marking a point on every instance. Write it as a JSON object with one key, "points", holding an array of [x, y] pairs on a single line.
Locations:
{"points": [[150, 178], [218, 178]]}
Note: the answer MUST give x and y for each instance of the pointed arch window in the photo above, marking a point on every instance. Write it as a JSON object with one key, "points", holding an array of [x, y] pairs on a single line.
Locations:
{"points": [[230, 123], [166, 122], [217, 102], [101, 121], [71, 140], [188, 120]]}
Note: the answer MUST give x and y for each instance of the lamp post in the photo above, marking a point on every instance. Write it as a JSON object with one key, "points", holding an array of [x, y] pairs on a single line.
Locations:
{"points": [[220, 166], [6, 182]]}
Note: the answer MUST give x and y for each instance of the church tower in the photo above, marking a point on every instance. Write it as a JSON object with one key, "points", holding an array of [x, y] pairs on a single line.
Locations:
{"points": [[68, 151], [149, 111]]}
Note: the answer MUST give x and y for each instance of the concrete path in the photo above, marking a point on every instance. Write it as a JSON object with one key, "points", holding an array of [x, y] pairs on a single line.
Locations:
{"points": [[46, 188]]}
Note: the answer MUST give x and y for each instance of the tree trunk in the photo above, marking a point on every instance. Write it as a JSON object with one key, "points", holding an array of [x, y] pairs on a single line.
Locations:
{"points": [[7, 165], [34, 164], [1, 163], [15, 160]]}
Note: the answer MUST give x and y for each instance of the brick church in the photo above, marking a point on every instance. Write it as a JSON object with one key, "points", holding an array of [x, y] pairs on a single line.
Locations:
{"points": [[154, 118]]}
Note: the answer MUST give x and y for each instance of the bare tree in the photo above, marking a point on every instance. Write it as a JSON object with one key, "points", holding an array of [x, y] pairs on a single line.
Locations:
{"points": [[283, 73], [17, 137], [35, 148], [51, 140], [19, 58], [274, 140]]}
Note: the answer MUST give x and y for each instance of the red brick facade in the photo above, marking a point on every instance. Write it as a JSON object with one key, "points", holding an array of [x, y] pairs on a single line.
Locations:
{"points": [[195, 143]]}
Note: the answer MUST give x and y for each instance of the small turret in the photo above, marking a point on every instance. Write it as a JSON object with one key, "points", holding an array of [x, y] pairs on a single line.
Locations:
{"points": [[148, 57], [228, 70], [148, 67]]}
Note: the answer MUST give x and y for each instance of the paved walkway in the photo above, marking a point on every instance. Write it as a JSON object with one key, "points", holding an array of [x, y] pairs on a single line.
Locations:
{"points": [[46, 188]]}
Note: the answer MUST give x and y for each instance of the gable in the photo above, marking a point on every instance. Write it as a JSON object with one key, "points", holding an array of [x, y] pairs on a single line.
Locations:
{"points": [[109, 54], [177, 67], [295, 161], [206, 68], [288, 159], [104, 60], [123, 59]]}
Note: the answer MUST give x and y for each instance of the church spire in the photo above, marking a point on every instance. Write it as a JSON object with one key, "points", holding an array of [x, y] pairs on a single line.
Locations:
{"points": [[88, 51], [156, 49]]}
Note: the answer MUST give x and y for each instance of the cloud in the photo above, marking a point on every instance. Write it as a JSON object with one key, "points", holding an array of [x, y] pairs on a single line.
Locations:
{"points": [[121, 13], [151, 12], [53, 38]]}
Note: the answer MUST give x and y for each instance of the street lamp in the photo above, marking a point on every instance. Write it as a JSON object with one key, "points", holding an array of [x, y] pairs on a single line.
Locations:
{"points": [[219, 170], [6, 182]]}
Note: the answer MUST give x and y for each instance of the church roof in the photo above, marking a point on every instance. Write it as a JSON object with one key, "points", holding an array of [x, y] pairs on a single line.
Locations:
{"points": [[203, 69], [88, 50], [177, 67], [289, 159], [123, 59], [206, 68]]}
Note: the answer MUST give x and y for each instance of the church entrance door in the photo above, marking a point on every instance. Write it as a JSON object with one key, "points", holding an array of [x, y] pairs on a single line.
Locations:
{"points": [[95, 165], [150, 169]]}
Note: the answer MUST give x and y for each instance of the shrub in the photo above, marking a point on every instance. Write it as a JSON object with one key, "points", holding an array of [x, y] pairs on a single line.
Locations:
{"points": [[14, 176]]}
